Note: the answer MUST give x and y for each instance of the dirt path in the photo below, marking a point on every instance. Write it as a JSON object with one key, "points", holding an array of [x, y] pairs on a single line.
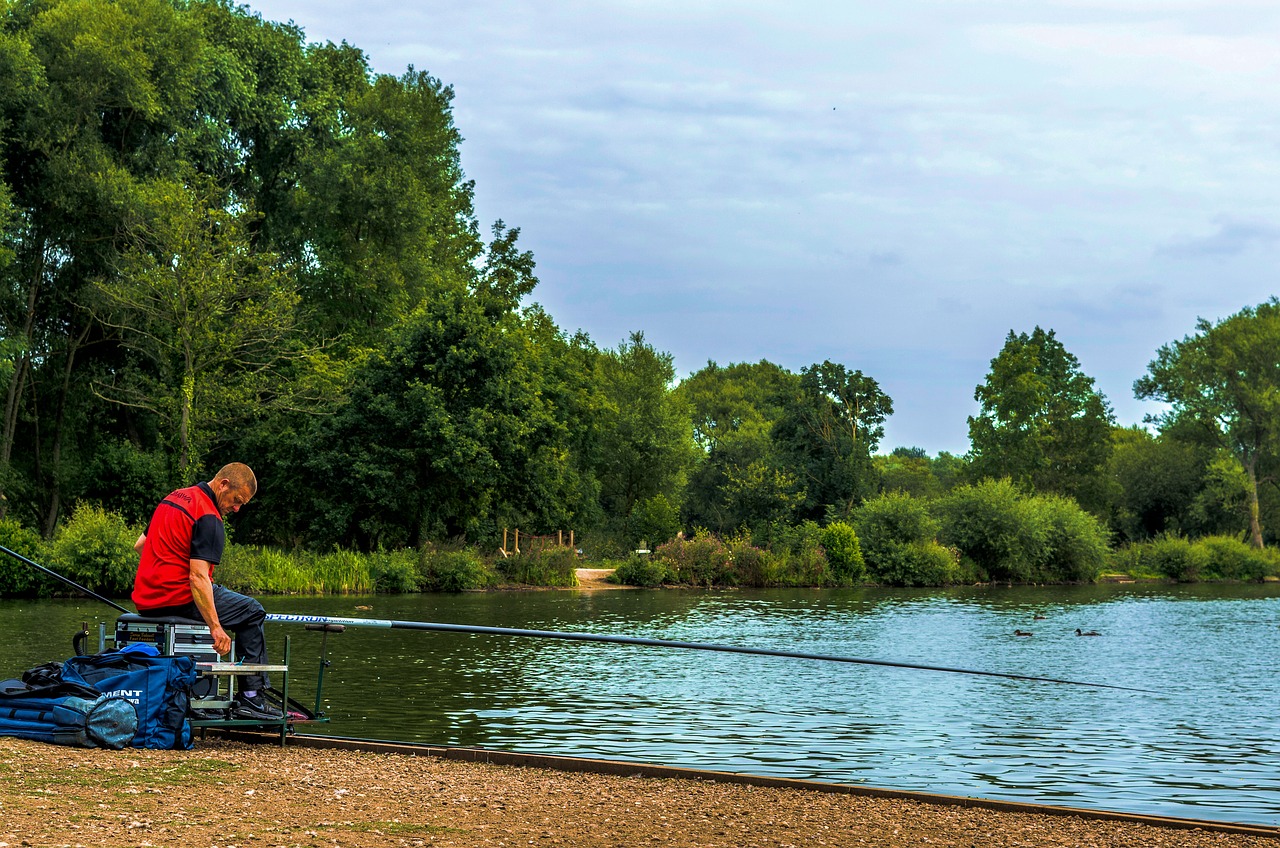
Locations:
{"points": [[594, 578]]}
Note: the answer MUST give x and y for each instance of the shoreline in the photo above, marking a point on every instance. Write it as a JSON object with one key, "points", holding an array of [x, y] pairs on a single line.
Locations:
{"points": [[228, 793]]}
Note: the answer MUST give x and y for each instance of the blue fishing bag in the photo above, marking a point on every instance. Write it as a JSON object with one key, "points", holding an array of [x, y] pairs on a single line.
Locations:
{"points": [[159, 687], [65, 713]]}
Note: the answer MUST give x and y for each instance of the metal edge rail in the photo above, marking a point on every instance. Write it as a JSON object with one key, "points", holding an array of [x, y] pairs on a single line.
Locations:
{"points": [[623, 768]]}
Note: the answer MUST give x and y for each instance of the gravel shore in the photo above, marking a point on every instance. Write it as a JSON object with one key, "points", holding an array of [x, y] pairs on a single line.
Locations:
{"points": [[227, 794]]}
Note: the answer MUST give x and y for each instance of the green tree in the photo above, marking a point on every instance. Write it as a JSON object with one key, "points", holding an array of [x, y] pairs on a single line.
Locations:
{"points": [[1041, 422], [349, 179], [1169, 484], [654, 521], [381, 217], [93, 96], [737, 479], [740, 399], [949, 470], [212, 321], [646, 439], [831, 427], [448, 433], [907, 470], [1225, 380]]}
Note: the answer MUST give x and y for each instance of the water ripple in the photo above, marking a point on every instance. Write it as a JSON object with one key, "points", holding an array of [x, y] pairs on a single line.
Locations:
{"points": [[1202, 746]]}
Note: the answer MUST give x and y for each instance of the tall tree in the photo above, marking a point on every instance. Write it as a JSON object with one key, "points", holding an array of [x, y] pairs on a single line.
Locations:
{"points": [[646, 438], [465, 422], [737, 479], [212, 322], [94, 95], [908, 470], [1225, 380], [1041, 422], [381, 212], [354, 177], [832, 425]]}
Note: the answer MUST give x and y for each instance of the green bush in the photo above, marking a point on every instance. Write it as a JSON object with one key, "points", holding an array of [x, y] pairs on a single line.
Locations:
{"points": [[654, 521], [1210, 558], [917, 564], [703, 560], [1129, 559], [749, 565], [886, 524], [641, 571], [794, 538], [394, 572], [994, 525], [798, 556], [844, 552], [893, 519], [1075, 542], [95, 549], [1228, 558], [805, 567], [454, 571], [552, 566], [17, 579], [1177, 558], [897, 535]]}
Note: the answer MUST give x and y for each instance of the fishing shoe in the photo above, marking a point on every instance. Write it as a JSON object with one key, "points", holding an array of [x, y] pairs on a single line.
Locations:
{"points": [[255, 708]]}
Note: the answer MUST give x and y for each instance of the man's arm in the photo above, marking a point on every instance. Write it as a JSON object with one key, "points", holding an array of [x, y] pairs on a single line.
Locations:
{"points": [[202, 594], [141, 543]]}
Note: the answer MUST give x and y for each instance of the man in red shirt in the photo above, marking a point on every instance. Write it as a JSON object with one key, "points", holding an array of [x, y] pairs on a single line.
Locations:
{"points": [[182, 544]]}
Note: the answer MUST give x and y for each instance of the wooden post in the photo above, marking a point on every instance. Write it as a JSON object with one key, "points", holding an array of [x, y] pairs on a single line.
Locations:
{"points": [[571, 540], [504, 541], [517, 540], [560, 538]]}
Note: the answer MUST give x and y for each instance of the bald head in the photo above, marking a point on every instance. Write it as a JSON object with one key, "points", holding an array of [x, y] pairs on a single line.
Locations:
{"points": [[233, 486], [239, 475]]}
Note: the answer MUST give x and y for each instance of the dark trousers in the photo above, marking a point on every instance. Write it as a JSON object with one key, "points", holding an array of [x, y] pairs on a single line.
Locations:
{"points": [[238, 614]]}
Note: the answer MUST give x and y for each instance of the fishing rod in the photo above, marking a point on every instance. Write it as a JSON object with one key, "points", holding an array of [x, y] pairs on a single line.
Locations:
{"points": [[661, 643], [439, 627], [73, 584]]}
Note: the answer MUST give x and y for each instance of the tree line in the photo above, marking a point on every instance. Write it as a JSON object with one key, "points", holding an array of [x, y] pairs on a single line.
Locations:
{"points": [[223, 242]]}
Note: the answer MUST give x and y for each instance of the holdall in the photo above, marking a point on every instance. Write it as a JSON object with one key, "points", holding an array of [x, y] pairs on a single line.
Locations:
{"points": [[159, 687], [66, 713]]}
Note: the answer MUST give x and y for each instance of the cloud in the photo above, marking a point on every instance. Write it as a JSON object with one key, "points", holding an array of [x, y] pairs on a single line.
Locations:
{"points": [[1231, 238], [891, 185]]}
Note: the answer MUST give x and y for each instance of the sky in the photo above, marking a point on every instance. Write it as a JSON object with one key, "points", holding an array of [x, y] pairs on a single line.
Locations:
{"points": [[891, 186]]}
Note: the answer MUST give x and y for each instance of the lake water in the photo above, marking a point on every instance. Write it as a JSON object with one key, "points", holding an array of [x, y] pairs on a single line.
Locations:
{"points": [[1203, 744]]}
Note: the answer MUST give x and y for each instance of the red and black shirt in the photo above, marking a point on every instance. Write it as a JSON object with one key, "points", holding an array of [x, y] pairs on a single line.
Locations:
{"points": [[185, 526]]}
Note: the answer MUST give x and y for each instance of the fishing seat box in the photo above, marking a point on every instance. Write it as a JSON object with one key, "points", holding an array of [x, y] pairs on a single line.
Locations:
{"points": [[172, 636]]}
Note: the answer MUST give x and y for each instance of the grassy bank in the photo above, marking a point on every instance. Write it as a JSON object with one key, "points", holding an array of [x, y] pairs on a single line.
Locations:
{"points": [[258, 570], [95, 549]]}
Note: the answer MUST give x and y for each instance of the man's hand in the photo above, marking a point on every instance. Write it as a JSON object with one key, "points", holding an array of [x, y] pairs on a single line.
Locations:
{"points": [[202, 594], [221, 641]]}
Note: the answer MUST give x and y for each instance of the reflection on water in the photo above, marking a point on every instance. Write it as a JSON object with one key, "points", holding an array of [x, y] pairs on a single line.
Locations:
{"points": [[1203, 747]]}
